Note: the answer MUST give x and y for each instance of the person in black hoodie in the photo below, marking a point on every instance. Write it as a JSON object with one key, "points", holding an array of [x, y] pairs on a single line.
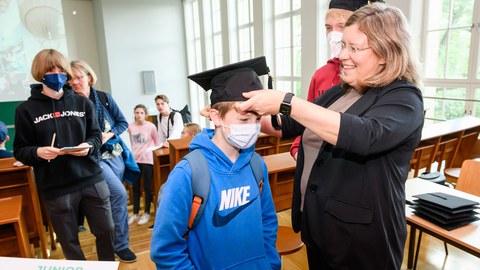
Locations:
{"points": [[52, 118]]}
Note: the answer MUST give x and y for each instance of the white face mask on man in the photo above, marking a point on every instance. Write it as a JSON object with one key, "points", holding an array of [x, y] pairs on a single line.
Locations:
{"points": [[334, 38], [242, 136]]}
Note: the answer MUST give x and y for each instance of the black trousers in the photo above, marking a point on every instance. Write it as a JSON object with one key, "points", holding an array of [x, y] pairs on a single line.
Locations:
{"points": [[147, 175], [94, 200]]}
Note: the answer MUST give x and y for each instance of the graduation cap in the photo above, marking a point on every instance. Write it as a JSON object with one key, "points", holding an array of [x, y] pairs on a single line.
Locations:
{"points": [[351, 5], [230, 81]]}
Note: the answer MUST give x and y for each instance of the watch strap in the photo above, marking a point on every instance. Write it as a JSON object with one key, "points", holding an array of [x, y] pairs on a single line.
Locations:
{"points": [[285, 106]]}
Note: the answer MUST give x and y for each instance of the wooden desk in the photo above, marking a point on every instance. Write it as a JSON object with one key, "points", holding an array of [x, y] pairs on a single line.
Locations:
{"points": [[281, 170], [161, 169], [21, 181], [178, 149], [466, 238]]}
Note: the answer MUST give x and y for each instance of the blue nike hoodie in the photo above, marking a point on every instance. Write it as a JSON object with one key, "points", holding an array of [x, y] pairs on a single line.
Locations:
{"points": [[238, 229]]}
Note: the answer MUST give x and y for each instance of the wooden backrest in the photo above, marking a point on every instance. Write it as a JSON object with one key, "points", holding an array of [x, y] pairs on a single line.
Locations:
{"points": [[178, 149], [424, 155], [7, 163], [469, 179], [447, 149]]}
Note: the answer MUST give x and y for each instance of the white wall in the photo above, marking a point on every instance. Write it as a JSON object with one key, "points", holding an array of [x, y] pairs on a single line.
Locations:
{"points": [[144, 35], [81, 37], [122, 38]]}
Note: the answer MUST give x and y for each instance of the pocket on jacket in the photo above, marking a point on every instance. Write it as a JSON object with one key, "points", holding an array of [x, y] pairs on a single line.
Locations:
{"points": [[349, 212]]}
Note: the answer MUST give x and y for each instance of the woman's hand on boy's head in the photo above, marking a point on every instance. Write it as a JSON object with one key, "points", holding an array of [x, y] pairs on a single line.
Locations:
{"points": [[263, 102]]}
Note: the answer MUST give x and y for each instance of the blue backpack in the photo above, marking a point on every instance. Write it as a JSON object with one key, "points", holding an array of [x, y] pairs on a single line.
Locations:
{"points": [[201, 187]]}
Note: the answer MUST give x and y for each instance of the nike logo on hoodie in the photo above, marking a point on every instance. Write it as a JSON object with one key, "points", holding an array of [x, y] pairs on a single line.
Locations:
{"points": [[231, 198]]}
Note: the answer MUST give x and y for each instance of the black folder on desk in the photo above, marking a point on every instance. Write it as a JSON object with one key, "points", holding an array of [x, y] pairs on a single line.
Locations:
{"points": [[445, 210]]}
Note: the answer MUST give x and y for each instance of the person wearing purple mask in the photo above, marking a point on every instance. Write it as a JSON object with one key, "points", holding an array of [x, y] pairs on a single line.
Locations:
{"points": [[52, 118]]}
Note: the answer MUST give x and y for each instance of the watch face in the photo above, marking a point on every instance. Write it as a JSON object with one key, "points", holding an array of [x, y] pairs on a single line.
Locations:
{"points": [[285, 106], [285, 109]]}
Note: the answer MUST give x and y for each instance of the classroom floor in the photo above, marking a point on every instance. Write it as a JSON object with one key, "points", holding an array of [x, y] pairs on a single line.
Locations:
{"points": [[432, 254]]}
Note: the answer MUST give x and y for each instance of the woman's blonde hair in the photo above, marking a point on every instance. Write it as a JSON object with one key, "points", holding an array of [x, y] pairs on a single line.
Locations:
{"points": [[386, 30], [86, 69], [48, 59], [193, 128]]}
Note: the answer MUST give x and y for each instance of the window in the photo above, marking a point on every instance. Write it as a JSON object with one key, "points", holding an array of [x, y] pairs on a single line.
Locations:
{"points": [[287, 33], [194, 55], [452, 59], [245, 29], [213, 32]]}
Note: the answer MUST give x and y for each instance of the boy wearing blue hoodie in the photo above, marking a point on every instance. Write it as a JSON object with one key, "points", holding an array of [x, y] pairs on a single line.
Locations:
{"points": [[237, 229]]}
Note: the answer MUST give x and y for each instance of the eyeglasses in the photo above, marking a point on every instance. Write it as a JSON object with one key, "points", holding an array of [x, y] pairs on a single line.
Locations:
{"points": [[352, 49], [78, 78]]}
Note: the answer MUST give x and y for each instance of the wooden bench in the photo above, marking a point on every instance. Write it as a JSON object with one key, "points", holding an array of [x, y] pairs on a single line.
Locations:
{"points": [[448, 143], [12, 215], [269, 145], [21, 181]]}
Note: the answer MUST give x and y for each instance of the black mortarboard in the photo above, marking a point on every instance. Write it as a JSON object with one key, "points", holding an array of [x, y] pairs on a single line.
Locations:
{"points": [[351, 5], [230, 81]]}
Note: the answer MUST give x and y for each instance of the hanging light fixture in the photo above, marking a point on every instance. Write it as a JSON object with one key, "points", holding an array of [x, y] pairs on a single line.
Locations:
{"points": [[42, 18]]}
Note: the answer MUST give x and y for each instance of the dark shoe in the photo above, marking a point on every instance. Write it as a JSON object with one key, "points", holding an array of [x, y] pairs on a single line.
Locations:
{"points": [[150, 228], [126, 255], [81, 228]]}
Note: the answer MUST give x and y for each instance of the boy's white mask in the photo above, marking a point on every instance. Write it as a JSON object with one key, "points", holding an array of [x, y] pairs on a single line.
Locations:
{"points": [[242, 136], [334, 38]]}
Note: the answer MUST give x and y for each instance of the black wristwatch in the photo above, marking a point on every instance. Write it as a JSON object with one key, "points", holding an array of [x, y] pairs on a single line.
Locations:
{"points": [[285, 106]]}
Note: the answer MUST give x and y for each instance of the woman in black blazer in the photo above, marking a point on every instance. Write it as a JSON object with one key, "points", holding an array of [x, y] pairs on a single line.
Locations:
{"points": [[358, 138]]}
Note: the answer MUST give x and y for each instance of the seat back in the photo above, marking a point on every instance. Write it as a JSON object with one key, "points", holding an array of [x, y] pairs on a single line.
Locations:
{"points": [[469, 179]]}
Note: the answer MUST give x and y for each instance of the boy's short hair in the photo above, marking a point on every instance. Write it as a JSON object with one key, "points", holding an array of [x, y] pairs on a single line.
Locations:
{"points": [[224, 107], [3, 132], [162, 97]]}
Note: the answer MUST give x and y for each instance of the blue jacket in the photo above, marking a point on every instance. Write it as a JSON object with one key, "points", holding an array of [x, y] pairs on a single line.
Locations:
{"points": [[118, 125], [239, 224]]}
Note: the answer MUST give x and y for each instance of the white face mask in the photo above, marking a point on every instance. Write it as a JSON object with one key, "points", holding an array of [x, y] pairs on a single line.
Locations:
{"points": [[242, 136], [334, 38]]}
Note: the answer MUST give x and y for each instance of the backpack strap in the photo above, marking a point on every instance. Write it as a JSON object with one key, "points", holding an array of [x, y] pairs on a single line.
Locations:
{"points": [[155, 121], [103, 98], [170, 119], [201, 183], [200, 186], [257, 168]]}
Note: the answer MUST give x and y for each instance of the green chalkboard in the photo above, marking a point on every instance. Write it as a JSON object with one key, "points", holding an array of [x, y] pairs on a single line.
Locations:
{"points": [[7, 115]]}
